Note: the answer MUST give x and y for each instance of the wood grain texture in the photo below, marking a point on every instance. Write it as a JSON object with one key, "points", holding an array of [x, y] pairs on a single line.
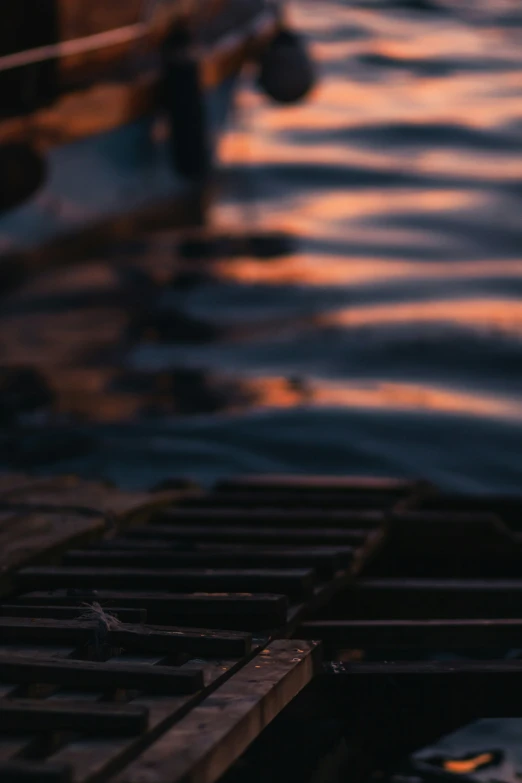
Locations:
{"points": [[96, 676], [294, 582], [30, 537], [213, 610], [93, 756], [36, 715], [203, 744], [125, 614], [326, 560], [132, 637]]}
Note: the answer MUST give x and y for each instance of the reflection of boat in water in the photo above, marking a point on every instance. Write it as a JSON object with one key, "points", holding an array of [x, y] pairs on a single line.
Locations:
{"points": [[107, 108]]}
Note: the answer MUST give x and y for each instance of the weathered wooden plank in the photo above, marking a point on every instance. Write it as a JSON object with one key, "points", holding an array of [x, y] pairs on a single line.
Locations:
{"points": [[29, 715], [459, 690], [430, 598], [326, 560], [124, 614], [133, 637], [423, 634], [21, 482], [203, 744], [250, 535], [91, 757], [291, 499], [24, 746], [507, 507], [71, 493], [11, 747], [381, 485], [293, 582], [269, 517], [107, 675], [34, 772], [221, 610], [34, 536], [449, 544]]}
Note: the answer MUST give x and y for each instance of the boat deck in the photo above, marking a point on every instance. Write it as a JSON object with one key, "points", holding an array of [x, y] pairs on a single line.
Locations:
{"points": [[149, 636]]}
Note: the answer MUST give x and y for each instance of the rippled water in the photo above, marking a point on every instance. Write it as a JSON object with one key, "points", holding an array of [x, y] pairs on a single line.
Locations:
{"points": [[388, 341]]}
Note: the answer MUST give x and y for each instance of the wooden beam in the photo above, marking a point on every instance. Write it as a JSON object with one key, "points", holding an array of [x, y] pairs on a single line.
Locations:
{"points": [[309, 484], [423, 634], [271, 517], [326, 560], [461, 689], [294, 582], [206, 742], [225, 610], [20, 771], [397, 598], [167, 639], [124, 614], [36, 715], [100, 676], [295, 536], [292, 499]]}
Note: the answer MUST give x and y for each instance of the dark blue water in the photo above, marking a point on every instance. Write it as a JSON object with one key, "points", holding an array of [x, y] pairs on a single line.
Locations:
{"points": [[388, 342]]}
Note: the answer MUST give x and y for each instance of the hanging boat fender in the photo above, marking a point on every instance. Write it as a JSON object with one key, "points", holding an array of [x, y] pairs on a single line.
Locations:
{"points": [[183, 103], [23, 172], [286, 70]]}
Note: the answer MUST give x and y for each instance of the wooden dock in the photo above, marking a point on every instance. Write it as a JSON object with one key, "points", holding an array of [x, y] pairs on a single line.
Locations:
{"points": [[153, 636]]}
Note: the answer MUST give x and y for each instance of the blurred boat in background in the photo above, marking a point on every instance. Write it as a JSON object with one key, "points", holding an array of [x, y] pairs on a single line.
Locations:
{"points": [[107, 108]]}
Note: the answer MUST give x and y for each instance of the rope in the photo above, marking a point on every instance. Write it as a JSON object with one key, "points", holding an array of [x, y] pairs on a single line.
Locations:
{"points": [[105, 622], [90, 43]]}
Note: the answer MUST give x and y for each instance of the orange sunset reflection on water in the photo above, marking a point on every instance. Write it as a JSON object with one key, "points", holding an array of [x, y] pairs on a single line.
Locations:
{"points": [[399, 187]]}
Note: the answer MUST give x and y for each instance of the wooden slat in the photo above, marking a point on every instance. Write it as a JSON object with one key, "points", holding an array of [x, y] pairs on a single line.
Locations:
{"points": [[294, 582], [489, 680], [36, 535], [124, 614], [250, 535], [450, 544], [91, 757], [291, 499], [27, 715], [307, 484], [70, 493], [203, 744], [96, 676], [325, 560], [25, 746], [423, 634], [431, 598], [34, 772], [230, 610], [507, 507], [270, 517], [133, 637]]}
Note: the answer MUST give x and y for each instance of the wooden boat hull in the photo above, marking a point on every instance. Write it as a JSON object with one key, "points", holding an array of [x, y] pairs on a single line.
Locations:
{"points": [[102, 176], [104, 138]]}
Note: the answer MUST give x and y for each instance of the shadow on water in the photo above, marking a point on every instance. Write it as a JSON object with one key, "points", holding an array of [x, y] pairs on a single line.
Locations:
{"points": [[408, 135]]}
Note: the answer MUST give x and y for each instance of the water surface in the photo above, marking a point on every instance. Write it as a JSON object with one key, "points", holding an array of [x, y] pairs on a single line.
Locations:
{"points": [[389, 341]]}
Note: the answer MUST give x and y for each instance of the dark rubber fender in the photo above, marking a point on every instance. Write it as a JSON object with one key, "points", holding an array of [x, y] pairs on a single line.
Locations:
{"points": [[286, 70], [184, 105]]}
